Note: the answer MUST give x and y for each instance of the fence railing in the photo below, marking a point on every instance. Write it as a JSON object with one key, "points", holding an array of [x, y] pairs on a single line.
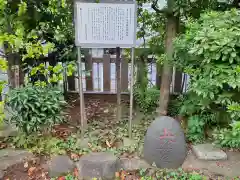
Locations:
{"points": [[99, 75]]}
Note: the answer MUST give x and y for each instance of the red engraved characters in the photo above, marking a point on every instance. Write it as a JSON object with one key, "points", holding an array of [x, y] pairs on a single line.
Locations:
{"points": [[168, 136]]}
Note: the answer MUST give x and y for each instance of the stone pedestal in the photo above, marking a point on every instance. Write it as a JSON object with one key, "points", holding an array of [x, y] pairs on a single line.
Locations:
{"points": [[97, 165], [208, 152]]}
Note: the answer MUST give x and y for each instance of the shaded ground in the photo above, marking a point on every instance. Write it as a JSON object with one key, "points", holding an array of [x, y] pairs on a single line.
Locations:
{"points": [[213, 169], [103, 114], [33, 170]]}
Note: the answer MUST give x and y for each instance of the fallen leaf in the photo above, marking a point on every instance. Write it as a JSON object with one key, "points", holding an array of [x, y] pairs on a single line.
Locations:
{"points": [[108, 144], [117, 174], [74, 156], [61, 178], [123, 173], [75, 172], [31, 170], [89, 145], [25, 165]]}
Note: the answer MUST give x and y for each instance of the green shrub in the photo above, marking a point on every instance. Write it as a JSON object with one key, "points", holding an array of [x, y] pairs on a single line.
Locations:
{"points": [[146, 99], [209, 52], [36, 108], [175, 105], [196, 126], [228, 137], [43, 145], [170, 174], [195, 129]]}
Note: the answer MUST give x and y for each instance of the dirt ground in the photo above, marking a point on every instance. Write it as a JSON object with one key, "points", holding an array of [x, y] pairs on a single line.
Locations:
{"points": [[101, 110]]}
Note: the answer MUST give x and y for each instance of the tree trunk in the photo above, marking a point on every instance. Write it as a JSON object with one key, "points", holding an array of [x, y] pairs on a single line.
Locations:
{"points": [[171, 27]]}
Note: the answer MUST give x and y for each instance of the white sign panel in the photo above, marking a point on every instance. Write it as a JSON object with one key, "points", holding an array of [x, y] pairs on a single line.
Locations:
{"points": [[105, 25]]}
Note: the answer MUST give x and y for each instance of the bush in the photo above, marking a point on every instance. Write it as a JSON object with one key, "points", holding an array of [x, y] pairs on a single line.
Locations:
{"points": [[196, 127], [146, 99], [42, 145], [175, 105], [149, 174], [228, 137], [209, 52], [36, 108]]}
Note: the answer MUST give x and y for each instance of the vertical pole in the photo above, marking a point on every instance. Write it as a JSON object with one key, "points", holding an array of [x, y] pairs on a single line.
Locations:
{"points": [[118, 79], [80, 90], [131, 94]]}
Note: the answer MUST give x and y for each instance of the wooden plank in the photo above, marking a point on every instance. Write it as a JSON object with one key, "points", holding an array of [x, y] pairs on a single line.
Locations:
{"points": [[124, 74], [89, 70], [158, 76], [97, 60], [106, 72], [178, 82], [71, 83]]}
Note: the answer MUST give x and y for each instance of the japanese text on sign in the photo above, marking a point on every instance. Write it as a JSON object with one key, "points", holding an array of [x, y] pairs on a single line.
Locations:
{"points": [[107, 25]]}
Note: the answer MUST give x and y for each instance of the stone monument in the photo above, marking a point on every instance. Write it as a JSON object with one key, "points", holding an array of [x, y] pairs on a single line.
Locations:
{"points": [[164, 143]]}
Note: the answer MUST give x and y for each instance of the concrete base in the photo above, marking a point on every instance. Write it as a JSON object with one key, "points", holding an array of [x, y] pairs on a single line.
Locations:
{"points": [[208, 152]]}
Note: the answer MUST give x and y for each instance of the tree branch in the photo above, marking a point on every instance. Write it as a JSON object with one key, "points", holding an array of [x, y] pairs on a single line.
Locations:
{"points": [[167, 11], [155, 8]]}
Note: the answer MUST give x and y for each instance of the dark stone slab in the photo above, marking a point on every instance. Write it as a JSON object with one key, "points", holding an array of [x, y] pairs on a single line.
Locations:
{"points": [[164, 143], [101, 165], [10, 157], [131, 164], [59, 165], [1, 174]]}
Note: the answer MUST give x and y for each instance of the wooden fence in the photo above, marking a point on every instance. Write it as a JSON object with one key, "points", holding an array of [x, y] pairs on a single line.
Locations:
{"points": [[99, 76]]}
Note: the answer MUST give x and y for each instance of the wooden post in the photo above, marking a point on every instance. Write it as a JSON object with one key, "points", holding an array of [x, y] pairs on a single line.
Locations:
{"points": [[158, 75], [106, 73], [178, 82], [124, 74], [118, 80], [89, 81], [71, 83]]}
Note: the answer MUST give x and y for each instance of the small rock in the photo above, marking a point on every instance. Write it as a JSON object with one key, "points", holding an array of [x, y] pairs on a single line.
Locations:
{"points": [[9, 157], [128, 142], [132, 164], [1, 174], [7, 130], [59, 165], [83, 143], [208, 152], [97, 165]]}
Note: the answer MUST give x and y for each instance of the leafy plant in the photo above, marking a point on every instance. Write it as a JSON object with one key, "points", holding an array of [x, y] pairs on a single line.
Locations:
{"points": [[195, 129], [146, 99], [36, 108], [196, 126], [209, 53], [43, 145], [170, 174], [175, 105], [228, 137]]}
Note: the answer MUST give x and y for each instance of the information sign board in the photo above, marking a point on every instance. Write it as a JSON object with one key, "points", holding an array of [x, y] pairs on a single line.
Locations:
{"points": [[105, 24]]}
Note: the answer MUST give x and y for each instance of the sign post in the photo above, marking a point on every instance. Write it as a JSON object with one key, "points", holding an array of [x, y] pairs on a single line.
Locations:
{"points": [[106, 24]]}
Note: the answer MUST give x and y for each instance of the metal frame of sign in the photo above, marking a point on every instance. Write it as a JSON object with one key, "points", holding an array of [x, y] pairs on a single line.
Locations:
{"points": [[103, 45]]}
